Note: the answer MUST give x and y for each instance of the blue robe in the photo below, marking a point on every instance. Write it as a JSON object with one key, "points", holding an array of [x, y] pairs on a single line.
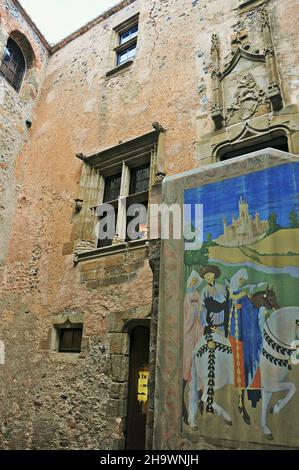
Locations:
{"points": [[249, 333]]}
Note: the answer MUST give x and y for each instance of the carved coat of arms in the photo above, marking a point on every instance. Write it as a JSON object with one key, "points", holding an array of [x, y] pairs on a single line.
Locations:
{"points": [[247, 99]]}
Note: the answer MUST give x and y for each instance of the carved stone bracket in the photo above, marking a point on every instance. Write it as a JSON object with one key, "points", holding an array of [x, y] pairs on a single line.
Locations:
{"points": [[117, 240], [78, 205], [160, 176], [256, 92]]}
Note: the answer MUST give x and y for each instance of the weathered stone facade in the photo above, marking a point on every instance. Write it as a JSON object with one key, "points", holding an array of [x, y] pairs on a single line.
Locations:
{"points": [[80, 104], [15, 110]]}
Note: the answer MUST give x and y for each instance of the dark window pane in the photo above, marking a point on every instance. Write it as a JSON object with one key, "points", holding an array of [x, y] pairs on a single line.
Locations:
{"points": [[66, 339], [140, 228], [6, 55], [122, 57], [126, 54], [13, 64], [140, 179], [124, 37], [77, 339], [70, 340], [131, 52], [112, 187], [102, 242], [128, 34]]}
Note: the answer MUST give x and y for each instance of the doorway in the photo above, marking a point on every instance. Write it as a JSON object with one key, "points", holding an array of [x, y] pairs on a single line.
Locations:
{"points": [[138, 387]]}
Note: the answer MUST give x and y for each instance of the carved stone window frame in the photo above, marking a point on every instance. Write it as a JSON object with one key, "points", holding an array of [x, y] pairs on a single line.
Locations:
{"points": [[211, 146], [250, 136], [116, 47], [218, 75], [119, 159], [28, 81], [50, 344]]}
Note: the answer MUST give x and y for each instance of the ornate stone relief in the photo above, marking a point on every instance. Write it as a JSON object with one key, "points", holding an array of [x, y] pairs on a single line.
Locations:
{"points": [[248, 85], [249, 99]]}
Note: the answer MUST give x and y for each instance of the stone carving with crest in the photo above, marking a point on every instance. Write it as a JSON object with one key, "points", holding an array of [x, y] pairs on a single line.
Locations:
{"points": [[248, 86], [248, 98]]}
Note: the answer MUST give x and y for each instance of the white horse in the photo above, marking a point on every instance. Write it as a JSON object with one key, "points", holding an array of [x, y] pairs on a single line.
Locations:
{"points": [[280, 331]]}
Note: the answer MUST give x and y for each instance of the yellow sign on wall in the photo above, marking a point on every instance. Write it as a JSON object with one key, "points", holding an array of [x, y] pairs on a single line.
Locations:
{"points": [[143, 376]]}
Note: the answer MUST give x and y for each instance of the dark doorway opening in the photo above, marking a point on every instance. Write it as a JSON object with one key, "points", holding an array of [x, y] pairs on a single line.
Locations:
{"points": [[278, 143], [137, 393]]}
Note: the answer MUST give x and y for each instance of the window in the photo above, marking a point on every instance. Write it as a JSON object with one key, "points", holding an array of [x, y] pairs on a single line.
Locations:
{"points": [[108, 217], [253, 145], [126, 49], [70, 340], [128, 34], [126, 40], [113, 181], [112, 187], [140, 177], [136, 183], [126, 54], [139, 229], [13, 65]]}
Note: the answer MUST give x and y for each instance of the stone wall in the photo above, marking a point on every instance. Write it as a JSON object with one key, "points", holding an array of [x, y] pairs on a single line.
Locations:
{"points": [[56, 401], [15, 109], [83, 110]]}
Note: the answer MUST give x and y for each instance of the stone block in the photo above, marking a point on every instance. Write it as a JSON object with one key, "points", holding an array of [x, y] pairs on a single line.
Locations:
{"points": [[67, 248], [117, 408], [119, 444], [119, 343], [123, 278], [134, 266], [120, 368], [87, 276], [118, 390], [44, 344], [85, 345], [114, 270], [115, 324], [114, 260], [93, 284], [90, 265]]}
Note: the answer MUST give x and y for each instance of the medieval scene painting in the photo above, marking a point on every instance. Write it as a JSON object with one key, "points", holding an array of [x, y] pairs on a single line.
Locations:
{"points": [[241, 310]]}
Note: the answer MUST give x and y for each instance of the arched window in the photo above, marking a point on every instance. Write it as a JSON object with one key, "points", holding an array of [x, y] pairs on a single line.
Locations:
{"points": [[13, 65], [252, 140]]}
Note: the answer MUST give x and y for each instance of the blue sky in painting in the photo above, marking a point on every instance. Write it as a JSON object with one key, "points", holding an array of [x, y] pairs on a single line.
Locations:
{"points": [[271, 190]]}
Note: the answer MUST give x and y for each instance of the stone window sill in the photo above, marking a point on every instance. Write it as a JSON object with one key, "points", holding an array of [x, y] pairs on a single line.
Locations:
{"points": [[246, 3], [111, 250], [119, 68], [71, 358]]}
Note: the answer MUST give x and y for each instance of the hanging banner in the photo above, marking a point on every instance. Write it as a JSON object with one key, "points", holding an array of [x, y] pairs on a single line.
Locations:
{"points": [[233, 308]]}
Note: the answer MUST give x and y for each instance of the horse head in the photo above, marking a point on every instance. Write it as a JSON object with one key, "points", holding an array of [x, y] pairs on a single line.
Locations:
{"points": [[270, 299]]}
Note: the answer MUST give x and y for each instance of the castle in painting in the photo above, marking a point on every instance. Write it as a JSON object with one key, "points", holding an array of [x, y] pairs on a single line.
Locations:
{"points": [[244, 230]]}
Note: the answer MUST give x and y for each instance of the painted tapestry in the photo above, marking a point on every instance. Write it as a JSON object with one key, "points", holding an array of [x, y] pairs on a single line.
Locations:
{"points": [[241, 310]]}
